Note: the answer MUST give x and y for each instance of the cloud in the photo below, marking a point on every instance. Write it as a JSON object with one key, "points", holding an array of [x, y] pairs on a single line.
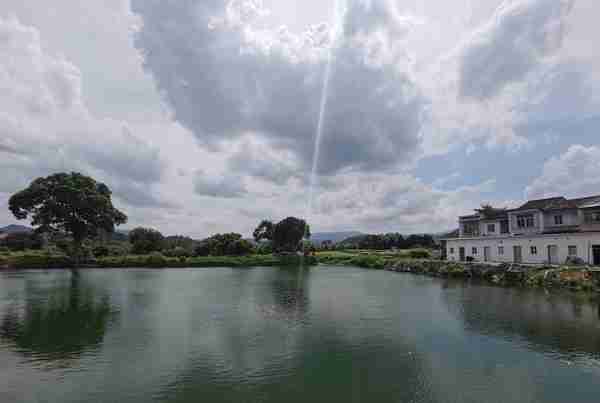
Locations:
{"points": [[575, 173], [211, 185], [256, 159], [514, 42], [46, 127], [224, 76], [400, 202]]}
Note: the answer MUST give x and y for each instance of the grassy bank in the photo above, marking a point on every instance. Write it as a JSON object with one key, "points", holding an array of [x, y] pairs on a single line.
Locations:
{"points": [[42, 260], [578, 279]]}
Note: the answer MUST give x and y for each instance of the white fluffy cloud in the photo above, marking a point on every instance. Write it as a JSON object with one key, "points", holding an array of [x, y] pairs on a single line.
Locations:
{"points": [[575, 173], [519, 36], [45, 125]]}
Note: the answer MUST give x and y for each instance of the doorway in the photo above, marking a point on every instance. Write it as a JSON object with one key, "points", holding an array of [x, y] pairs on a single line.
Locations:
{"points": [[461, 254], [596, 254], [487, 254], [517, 254], [552, 254]]}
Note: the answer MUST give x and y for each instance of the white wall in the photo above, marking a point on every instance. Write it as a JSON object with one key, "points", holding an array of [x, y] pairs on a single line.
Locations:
{"points": [[563, 241], [570, 217]]}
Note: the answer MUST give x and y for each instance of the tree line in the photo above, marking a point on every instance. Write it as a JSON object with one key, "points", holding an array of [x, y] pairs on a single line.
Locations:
{"points": [[76, 213]]}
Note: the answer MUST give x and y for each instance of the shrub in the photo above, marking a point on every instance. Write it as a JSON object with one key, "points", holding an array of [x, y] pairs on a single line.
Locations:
{"points": [[178, 251], [21, 241], [100, 251], [419, 254], [156, 259]]}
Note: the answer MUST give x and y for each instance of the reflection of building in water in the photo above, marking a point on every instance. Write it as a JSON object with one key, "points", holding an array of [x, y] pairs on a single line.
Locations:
{"points": [[555, 322], [58, 323]]}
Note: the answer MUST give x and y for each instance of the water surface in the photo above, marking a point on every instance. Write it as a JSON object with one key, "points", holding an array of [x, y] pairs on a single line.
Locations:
{"points": [[325, 334]]}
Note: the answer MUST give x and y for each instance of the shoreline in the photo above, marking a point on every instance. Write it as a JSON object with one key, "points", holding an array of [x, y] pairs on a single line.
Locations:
{"points": [[572, 278]]}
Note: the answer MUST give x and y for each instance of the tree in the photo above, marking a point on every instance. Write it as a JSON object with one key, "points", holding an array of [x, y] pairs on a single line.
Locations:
{"points": [[288, 233], [264, 231], [73, 203], [146, 240], [230, 244]]}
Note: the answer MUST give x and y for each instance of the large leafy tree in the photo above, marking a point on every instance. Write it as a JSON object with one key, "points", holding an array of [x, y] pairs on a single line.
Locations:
{"points": [[69, 203], [146, 240], [264, 231], [288, 233]]}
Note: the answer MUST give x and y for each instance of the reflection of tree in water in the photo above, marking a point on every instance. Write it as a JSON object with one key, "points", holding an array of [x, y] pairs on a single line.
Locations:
{"points": [[62, 325], [290, 289], [548, 321]]}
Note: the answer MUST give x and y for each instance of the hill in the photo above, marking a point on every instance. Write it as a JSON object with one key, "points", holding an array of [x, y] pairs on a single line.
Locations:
{"points": [[15, 229], [336, 237]]}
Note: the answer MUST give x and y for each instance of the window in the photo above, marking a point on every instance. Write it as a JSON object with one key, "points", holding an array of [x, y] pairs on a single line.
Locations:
{"points": [[558, 220], [572, 250], [504, 227], [592, 217], [474, 250], [525, 221], [501, 250], [451, 251], [534, 250], [471, 228], [491, 227]]}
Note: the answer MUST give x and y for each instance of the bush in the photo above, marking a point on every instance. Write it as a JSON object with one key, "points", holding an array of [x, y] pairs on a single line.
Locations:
{"points": [[21, 241], [419, 254], [178, 251], [156, 259], [100, 251]]}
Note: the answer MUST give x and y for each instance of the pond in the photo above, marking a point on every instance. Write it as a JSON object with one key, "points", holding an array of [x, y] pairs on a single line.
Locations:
{"points": [[325, 334]]}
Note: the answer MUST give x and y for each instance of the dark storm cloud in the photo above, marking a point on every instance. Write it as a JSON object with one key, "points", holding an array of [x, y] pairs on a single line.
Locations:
{"points": [[224, 78]]}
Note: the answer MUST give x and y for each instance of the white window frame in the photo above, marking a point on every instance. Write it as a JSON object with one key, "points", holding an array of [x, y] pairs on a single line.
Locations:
{"points": [[533, 250], [571, 248], [558, 219]]}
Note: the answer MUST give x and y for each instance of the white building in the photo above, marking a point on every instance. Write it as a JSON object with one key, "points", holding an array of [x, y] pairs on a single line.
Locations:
{"points": [[540, 231]]}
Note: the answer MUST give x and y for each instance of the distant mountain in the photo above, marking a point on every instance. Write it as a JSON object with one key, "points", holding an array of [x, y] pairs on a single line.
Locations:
{"points": [[335, 237], [15, 229]]}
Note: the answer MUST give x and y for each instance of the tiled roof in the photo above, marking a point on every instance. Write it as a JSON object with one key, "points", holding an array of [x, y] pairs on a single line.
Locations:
{"points": [[494, 214], [559, 203], [552, 203], [586, 202]]}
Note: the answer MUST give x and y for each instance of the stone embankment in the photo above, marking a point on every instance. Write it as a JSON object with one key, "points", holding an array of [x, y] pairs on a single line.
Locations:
{"points": [[573, 278]]}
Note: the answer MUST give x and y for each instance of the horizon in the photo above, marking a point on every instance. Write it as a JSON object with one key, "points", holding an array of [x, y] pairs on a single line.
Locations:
{"points": [[202, 118]]}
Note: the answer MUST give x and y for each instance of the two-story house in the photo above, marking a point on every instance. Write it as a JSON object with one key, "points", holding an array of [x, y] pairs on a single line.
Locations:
{"points": [[540, 231]]}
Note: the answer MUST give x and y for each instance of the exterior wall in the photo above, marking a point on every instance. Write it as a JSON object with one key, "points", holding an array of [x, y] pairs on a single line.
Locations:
{"points": [[570, 219], [583, 242]]}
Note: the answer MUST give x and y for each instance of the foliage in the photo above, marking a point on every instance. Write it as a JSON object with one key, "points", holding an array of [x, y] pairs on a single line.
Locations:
{"points": [[20, 241], [73, 203], [419, 254], [265, 248], [177, 251], [288, 233], [145, 240], [230, 244], [264, 231], [100, 251], [388, 241], [180, 241]]}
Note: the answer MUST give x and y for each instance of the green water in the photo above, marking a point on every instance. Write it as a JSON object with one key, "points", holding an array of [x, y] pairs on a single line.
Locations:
{"points": [[325, 334]]}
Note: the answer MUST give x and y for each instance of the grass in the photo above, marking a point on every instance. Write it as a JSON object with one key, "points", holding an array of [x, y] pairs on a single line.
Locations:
{"points": [[369, 258]]}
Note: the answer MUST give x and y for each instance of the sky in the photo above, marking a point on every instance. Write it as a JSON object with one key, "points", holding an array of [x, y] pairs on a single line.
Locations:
{"points": [[202, 115]]}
